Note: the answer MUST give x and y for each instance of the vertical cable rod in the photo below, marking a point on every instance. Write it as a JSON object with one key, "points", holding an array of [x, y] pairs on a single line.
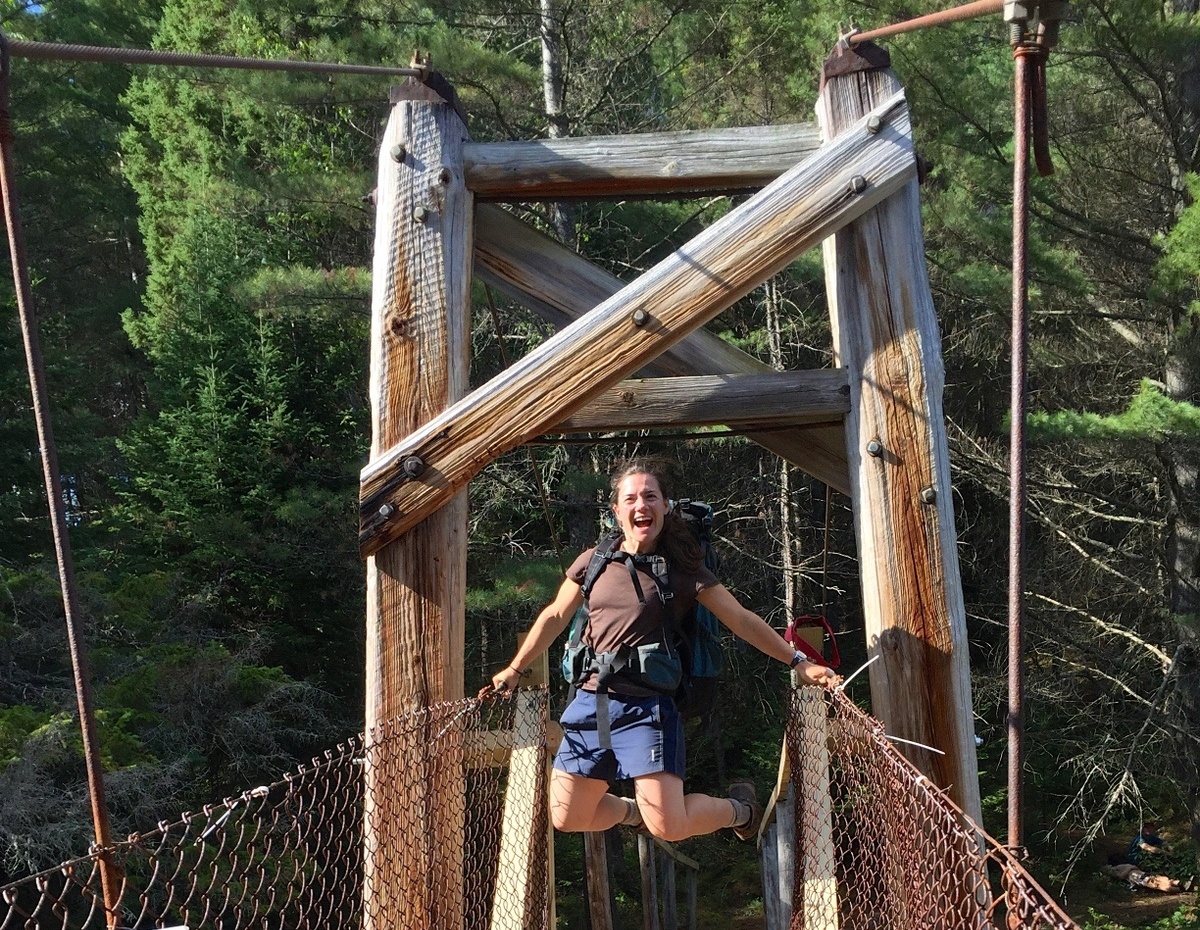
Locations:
{"points": [[1027, 60], [110, 883]]}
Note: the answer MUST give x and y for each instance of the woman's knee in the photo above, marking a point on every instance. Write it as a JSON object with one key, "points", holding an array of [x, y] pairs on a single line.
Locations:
{"points": [[668, 829], [564, 819]]}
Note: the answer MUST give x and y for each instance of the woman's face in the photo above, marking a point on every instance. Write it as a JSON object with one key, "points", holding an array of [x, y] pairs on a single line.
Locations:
{"points": [[640, 509]]}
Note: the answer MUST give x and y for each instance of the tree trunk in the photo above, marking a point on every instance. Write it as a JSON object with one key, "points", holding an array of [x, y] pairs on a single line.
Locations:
{"points": [[554, 89], [786, 544]]}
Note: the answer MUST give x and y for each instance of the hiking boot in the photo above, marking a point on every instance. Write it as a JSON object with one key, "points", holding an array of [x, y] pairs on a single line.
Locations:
{"points": [[743, 792]]}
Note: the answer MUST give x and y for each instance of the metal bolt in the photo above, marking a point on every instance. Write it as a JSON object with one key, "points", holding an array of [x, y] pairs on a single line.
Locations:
{"points": [[386, 511], [874, 123], [875, 448], [420, 214], [413, 466], [858, 184], [398, 151], [640, 317], [929, 495]]}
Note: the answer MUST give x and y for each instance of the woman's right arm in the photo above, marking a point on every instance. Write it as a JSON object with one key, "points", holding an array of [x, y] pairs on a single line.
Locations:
{"points": [[546, 628]]}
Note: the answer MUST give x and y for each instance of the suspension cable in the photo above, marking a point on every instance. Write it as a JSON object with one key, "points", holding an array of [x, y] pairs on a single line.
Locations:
{"points": [[109, 877], [953, 15], [59, 51]]}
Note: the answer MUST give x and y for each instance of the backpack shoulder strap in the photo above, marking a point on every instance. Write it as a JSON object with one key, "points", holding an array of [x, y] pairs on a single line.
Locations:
{"points": [[600, 558]]}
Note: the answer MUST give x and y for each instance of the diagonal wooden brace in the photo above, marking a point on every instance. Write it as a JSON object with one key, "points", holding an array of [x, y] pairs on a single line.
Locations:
{"points": [[561, 286], [850, 175]]}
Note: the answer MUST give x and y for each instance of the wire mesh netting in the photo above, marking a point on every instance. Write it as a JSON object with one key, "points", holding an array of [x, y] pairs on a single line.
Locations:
{"points": [[435, 819], [438, 819], [877, 845]]}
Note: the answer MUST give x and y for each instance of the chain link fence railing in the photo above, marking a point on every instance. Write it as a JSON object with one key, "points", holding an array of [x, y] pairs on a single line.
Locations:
{"points": [[439, 820], [436, 819], [879, 847]]}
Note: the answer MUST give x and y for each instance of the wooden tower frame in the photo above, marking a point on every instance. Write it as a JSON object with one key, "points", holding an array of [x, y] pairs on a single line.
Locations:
{"points": [[872, 427]]}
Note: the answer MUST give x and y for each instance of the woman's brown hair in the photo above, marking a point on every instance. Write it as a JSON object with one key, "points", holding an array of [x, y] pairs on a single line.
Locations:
{"points": [[676, 543]]}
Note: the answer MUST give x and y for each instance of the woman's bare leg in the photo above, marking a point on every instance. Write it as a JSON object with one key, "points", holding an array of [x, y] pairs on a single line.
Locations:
{"points": [[673, 816], [583, 805]]}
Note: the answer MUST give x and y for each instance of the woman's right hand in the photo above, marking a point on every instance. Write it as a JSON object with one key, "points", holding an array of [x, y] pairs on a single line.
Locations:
{"points": [[503, 683]]}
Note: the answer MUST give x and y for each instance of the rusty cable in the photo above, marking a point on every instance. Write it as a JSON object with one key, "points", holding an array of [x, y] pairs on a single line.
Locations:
{"points": [[54, 492], [59, 51], [943, 17]]}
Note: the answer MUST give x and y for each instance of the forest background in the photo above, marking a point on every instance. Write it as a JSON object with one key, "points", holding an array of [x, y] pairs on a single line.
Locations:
{"points": [[200, 247]]}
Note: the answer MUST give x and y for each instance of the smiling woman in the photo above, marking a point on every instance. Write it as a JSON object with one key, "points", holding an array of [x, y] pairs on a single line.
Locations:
{"points": [[623, 722]]}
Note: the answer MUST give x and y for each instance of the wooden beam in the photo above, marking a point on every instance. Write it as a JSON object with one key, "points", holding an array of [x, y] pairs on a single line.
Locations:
{"points": [[417, 475], [886, 335], [777, 398], [561, 286], [420, 342], [739, 159]]}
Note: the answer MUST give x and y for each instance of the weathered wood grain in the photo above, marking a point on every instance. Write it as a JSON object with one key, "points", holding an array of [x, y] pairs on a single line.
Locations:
{"points": [[774, 399], [599, 890], [846, 178], [739, 159], [513, 902], [886, 336], [561, 286], [420, 338]]}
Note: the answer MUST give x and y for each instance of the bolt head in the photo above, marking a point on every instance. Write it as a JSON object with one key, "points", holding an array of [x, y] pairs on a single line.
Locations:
{"points": [[413, 466], [386, 511], [398, 151], [639, 317], [875, 448], [874, 123], [858, 184], [929, 495], [420, 214]]}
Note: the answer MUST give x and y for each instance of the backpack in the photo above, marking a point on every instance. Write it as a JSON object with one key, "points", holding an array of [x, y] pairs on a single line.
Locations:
{"points": [[687, 663]]}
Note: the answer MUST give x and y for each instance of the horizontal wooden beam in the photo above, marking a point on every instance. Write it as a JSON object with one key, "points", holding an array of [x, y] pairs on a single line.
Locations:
{"points": [[777, 398], [845, 179], [561, 286], [741, 159]]}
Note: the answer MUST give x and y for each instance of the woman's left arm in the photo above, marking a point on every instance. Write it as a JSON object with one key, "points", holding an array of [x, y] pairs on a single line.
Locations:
{"points": [[749, 626]]}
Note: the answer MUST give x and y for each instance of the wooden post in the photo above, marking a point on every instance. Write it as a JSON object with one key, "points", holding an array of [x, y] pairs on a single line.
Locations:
{"points": [[670, 906], [595, 867], [785, 854], [817, 854], [512, 905], [769, 861], [420, 350], [886, 336], [646, 859]]}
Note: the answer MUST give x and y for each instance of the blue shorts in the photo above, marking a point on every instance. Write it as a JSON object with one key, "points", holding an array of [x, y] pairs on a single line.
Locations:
{"points": [[647, 737]]}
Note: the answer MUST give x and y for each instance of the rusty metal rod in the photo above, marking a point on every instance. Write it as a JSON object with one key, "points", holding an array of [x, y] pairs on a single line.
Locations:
{"points": [[1026, 62], [58, 51], [110, 882], [953, 15]]}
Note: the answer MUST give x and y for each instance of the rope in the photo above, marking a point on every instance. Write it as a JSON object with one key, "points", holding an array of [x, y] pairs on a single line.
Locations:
{"points": [[58, 51]]}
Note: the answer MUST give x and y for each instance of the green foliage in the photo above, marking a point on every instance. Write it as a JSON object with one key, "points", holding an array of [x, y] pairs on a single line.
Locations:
{"points": [[1150, 417], [17, 724]]}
